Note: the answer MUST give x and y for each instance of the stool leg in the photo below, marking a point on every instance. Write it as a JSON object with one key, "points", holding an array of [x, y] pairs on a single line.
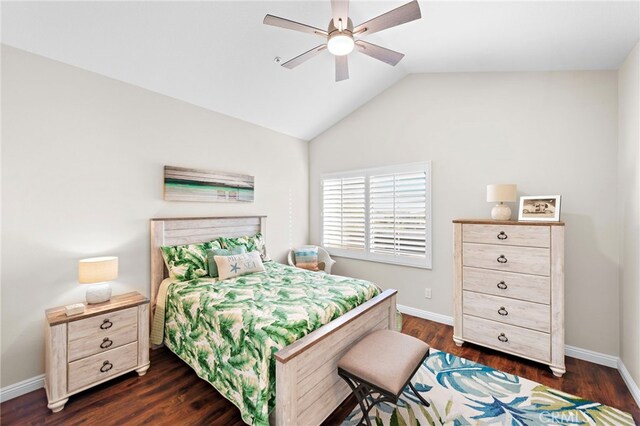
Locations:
{"points": [[362, 392], [361, 397], [418, 395]]}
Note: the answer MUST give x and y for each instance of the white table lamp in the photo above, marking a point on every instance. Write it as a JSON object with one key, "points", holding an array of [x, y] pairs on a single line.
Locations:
{"points": [[501, 193], [97, 271]]}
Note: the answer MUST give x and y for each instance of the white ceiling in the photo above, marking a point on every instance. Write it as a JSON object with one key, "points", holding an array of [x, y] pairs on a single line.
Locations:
{"points": [[220, 56]]}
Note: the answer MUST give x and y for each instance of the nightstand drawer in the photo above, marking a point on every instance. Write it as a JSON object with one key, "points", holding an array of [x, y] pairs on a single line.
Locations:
{"points": [[532, 288], [102, 325], [508, 338], [96, 368], [513, 235], [510, 311], [527, 260], [110, 340]]}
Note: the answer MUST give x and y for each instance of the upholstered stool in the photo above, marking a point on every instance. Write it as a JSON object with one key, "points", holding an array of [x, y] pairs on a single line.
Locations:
{"points": [[382, 363]]}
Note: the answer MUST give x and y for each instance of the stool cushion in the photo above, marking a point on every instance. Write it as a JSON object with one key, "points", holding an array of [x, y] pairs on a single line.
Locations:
{"points": [[385, 359]]}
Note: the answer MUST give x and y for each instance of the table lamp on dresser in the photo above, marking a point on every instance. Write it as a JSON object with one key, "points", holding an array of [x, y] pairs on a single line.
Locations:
{"points": [[501, 193], [98, 271]]}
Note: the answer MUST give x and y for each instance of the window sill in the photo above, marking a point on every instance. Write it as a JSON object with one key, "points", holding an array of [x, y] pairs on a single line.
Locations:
{"points": [[368, 257]]}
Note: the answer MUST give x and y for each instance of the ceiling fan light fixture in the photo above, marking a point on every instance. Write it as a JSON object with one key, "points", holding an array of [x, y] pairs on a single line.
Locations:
{"points": [[340, 44]]}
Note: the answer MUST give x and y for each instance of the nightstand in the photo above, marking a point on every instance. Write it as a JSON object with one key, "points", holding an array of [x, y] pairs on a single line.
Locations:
{"points": [[107, 340]]}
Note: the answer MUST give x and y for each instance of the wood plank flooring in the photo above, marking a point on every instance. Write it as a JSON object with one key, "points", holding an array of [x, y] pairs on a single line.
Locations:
{"points": [[171, 393]]}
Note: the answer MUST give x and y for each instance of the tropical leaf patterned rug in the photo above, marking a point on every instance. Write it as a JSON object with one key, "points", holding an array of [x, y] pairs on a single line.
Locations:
{"points": [[463, 392]]}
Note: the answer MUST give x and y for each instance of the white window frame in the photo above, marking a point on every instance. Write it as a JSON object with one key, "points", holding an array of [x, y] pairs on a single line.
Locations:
{"points": [[424, 263]]}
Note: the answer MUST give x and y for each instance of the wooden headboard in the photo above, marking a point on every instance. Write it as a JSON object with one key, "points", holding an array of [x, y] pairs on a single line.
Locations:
{"points": [[188, 230]]}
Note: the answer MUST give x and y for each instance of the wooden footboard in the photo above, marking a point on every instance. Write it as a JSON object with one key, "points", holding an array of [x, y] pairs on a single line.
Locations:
{"points": [[308, 387]]}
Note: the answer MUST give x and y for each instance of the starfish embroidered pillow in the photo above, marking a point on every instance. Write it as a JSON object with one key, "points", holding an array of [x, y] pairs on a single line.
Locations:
{"points": [[239, 264], [213, 267]]}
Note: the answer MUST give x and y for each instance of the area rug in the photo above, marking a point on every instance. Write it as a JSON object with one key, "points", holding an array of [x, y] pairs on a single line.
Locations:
{"points": [[463, 392]]}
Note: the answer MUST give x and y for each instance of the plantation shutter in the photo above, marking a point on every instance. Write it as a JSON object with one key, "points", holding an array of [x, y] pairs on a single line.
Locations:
{"points": [[343, 213], [398, 214], [380, 214]]}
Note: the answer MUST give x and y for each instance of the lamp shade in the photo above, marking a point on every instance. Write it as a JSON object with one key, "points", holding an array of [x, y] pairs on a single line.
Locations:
{"points": [[97, 269], [501, 192]]}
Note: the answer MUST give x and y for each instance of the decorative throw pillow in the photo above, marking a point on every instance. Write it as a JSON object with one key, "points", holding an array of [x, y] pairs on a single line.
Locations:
{"points": [[250, 242], [189, 261], [213, 267], [238, 264], [307, 257]]}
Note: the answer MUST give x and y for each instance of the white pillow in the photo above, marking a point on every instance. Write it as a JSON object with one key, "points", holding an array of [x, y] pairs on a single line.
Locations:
{"points": [[238, 264]]}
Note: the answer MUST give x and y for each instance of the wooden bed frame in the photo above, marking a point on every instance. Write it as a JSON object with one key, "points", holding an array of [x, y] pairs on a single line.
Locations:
{"points": [[308, 388]]}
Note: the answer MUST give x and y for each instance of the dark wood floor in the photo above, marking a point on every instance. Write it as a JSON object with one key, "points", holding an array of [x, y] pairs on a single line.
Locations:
{"points": [[171, 393]]}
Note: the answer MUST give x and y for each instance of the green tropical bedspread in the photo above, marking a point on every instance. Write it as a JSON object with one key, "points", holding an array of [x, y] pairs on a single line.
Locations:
{"points": [[228, 331]]}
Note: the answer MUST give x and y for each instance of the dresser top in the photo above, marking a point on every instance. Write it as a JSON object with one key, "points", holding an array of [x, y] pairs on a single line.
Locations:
{"points": [[507, 222], [58, 315]]}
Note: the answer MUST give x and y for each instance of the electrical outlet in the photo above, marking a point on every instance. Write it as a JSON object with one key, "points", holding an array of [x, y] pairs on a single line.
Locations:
{"points": [[427, 293]]}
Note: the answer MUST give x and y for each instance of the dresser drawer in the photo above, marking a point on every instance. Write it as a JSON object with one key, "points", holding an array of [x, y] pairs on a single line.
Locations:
{"points": [[98, 367], [532, 288], [509, 311], [91, 345], [102, 325], [527, 260], [513, 235], [508, 338]]}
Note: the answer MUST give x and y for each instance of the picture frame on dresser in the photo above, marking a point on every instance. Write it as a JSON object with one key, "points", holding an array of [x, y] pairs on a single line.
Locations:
{"points": [[508, 279], [542, 208]]}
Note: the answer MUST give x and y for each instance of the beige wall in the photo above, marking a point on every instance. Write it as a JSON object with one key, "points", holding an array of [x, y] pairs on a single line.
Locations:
{"points": [[629, 202], [551, 133], [82, 170]]}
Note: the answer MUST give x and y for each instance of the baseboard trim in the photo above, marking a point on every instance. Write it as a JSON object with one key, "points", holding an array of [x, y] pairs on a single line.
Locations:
{"points": [[431, 316], [572, 351], [591, 356], [17, 389], [631, 384]]}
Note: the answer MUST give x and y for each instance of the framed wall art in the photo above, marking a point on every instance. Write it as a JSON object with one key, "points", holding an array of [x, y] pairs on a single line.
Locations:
{"points": [[182, 184]]}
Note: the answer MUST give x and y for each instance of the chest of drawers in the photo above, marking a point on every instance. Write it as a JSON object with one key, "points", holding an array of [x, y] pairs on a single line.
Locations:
{"points": [[107, 340], [509, 288]]}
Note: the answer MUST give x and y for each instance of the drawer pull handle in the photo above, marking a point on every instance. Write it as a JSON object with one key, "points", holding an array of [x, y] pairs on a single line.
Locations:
{"points": [[106, 324], [106, 366], [502, 236], [502, 285], [501, 259], [502, 311], [106, 343], [503, 338]]}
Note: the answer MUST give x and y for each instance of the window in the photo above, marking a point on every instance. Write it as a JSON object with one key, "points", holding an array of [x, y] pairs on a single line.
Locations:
{"points": [[381, 214]]}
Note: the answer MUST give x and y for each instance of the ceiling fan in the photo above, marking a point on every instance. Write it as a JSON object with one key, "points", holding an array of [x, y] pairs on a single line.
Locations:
{"points": [[341, 35]]}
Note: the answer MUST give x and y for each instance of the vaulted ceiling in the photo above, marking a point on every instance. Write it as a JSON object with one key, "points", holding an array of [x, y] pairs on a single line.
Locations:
{"points": [[220, 56]]}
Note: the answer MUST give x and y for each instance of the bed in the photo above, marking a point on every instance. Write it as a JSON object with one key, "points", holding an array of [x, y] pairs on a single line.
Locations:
{"points": [[307, 387]]}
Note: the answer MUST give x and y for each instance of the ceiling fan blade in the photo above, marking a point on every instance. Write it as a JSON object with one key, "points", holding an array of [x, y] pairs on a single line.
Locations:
{"points": [[276, 21], [398, 16], [340, 10], [342, 68], [383, 54], [292, 63]]}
